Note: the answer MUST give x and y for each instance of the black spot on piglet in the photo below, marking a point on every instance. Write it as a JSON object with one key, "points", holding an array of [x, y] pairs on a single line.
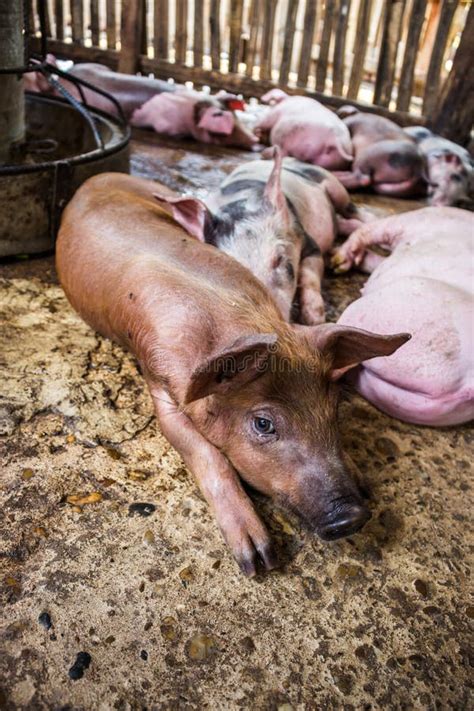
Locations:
{"points": [[142, 509], [403, 158], [82, 662]]}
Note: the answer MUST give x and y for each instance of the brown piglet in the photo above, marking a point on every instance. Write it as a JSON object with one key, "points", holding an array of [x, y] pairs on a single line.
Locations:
{"points": [[240, 393]]}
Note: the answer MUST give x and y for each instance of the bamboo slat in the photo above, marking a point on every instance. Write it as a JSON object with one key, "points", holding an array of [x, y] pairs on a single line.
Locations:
{"points": [[31, 17], [236, 16], [95, 22], [160, 32], [339, 60], [454, 114], [433, 77], [130, 33], [287, 52], [47, 17], [59, 19], [143, 27], [181, 37], [254, 17], [77, 21], [215, 31], [322, 65], [360, 47], [110, 23], [307, 42], [388, 51], [415, 25], [198, 32], [267, 39]]}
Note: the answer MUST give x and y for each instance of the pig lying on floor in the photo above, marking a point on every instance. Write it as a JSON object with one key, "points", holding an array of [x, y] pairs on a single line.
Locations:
{"points": [[278, 219], [129, 90], [186, 113], [385, 157], [169, 109], [236, 389], [426, 285], [305, 129], [449, 167]]}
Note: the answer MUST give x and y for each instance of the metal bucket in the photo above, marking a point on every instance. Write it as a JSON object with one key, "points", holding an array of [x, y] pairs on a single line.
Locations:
{"points": [[34, 192]]}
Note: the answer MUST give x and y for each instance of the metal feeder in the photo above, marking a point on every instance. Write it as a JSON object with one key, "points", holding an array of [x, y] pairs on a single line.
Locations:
{"points": [[78, 140]]}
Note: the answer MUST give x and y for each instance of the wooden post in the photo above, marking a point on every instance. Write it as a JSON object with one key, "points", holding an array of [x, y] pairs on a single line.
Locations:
{"points": [[340, 48], [59, 19], [130, 34], [160, 29], [360, 48], [310, 13], [198, 32], [236, 12], [214, 21], [254, 22], [47, 19], [388, 51], [77, 21], [110, 24], [405, 88], [143, 22], [12, 105], [267, 39], [322, 64], [453, 116], [285, 65], [95, 22], [433, 78], [181, 36]]}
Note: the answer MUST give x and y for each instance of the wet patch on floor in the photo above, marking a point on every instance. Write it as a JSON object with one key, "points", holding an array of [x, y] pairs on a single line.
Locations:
{"points": [[109, 551]]}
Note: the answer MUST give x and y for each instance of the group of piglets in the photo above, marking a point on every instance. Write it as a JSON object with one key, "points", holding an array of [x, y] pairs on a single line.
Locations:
{"points": [[365, 150], [245, 386], [221, 303]]}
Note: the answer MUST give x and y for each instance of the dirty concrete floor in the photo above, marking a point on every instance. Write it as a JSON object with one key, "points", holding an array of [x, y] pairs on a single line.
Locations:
{"points": [[378, 621]]}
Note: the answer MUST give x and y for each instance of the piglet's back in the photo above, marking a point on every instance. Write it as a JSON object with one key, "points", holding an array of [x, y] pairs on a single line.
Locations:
{"points": [[116, 240]]}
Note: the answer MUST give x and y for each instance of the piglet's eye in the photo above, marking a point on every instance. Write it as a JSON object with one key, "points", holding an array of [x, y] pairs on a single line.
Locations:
{"points": [[263, 426]]}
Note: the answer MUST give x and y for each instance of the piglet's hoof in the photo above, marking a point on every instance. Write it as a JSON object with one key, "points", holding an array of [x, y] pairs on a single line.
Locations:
{"points": [[248, 540], [350, 254], [339, 263]]}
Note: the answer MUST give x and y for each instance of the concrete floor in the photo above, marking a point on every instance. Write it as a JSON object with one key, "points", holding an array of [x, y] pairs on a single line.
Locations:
{"points": [[377, 621]]}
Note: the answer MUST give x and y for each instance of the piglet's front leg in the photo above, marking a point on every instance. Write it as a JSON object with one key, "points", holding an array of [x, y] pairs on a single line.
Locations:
{"points": [[312, 311], [240, 525], [354, 250]]}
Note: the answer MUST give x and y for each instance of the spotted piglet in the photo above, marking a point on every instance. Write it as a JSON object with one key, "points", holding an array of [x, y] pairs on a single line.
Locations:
{"points": [[278, 218]]}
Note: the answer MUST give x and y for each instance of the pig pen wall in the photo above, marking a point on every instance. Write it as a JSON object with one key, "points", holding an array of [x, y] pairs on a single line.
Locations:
{"points": [[392, 56], [378, 621]]}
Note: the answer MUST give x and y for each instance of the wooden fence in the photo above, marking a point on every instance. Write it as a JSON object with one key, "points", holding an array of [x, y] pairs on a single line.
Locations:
{"points": [[393, 55]]}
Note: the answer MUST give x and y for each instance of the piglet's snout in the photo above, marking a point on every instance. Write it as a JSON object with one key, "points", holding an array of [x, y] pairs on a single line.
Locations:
{"points": [[345, 518]]}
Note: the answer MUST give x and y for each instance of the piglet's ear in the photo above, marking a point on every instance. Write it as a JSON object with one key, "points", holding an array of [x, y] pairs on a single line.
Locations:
{"points": [[231, 368], [346, 110], [189, 212], [216, 120], [273, 191], [349, 346]]}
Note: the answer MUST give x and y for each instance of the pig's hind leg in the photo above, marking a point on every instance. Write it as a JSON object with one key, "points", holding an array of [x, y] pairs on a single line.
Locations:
{"points": [[312, 311], [240, 525]]}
